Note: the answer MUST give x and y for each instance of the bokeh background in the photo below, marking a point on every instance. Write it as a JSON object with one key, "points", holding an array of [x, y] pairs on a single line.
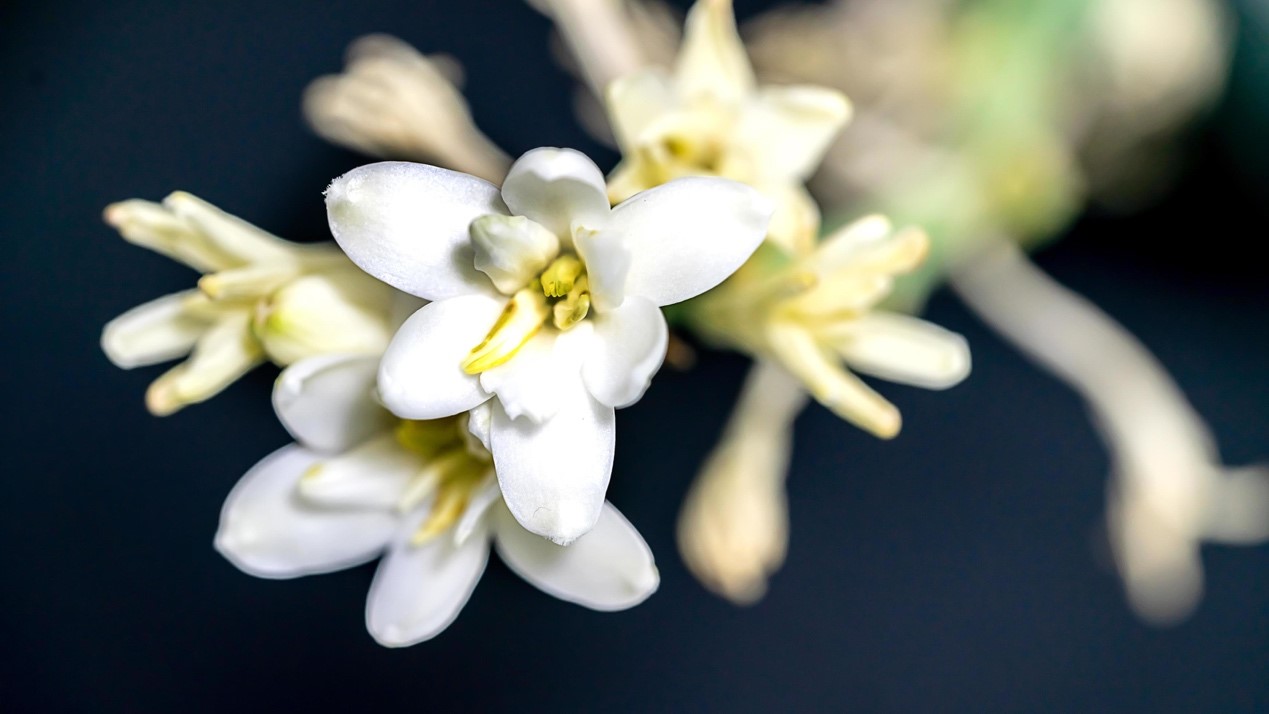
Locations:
{"points": [[960, 567]]}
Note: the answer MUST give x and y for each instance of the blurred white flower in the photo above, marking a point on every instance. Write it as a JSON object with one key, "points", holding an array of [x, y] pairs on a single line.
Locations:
{"points": [[394, 103], [710, 118], [260, 298], [815, 314], [550, 301], [361, 483]]}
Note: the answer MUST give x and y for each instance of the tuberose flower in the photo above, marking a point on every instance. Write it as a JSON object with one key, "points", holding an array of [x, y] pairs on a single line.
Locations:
{"points": [[361, 483], [260, 298], [710, 118], [543, 296], [817, 314]]}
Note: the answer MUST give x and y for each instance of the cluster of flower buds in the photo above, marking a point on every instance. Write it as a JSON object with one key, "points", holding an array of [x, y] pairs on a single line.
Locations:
{"points": [[453, 361]]}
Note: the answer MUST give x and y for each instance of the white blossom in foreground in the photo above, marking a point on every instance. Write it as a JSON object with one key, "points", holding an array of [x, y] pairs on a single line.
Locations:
{"points": [[816, 315], [260, 298], [710, 118], [361, 483], [543, 296]]}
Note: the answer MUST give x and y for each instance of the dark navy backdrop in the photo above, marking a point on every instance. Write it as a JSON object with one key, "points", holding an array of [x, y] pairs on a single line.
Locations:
{"points": [[958, 568]]}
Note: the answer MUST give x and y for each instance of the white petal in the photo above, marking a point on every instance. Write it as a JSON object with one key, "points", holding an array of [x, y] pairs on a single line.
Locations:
{"points": [[267, 531], [154, 332], [635, 102], [687, 236], [230, 234], [421, 375], [225, 352], [627, 349], [419, 590], [327, 402], [903, 349], [473, 516], [557, 188], [607, 265], [609, 568], [478, 420], [373, 475], [406, 224], [341, 310], [785, 131], [531, 383], [554, 474], [712, 60], [511, 250]]}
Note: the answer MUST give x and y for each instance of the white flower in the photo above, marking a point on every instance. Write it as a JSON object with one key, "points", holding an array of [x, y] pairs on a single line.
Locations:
{"points": [[260, 297], [817, 315], [361, 483], [711, 118], [549, 301]]}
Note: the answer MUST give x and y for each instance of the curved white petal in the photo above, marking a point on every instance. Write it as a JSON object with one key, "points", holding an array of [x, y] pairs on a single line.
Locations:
{"points": [[267, 531], [635, 102], [626, 350], [712, 61], [557, 188], [327, 402], [375, 474], [688, 235], [419, 590], [478, 420], [784, 131], [903, 349], [421, 374], [554, 474], [486, 495], [607, 265], [609, 568], [407, 225], [533, 382], [153, 332]]}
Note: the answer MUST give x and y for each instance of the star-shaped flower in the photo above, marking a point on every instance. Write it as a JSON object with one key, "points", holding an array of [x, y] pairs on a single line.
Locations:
{"points": [[543, 296], [710, 118], [361, 483]]}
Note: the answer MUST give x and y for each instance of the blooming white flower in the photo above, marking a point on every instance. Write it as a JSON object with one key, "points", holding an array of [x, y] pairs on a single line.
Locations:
{"points": [[544, 296], [260, 298], [711, 118], [811, 314], [361, 483]]}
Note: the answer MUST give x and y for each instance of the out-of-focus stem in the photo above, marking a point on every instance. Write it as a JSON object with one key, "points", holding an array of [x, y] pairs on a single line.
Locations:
{"points": [[1171, 491]]}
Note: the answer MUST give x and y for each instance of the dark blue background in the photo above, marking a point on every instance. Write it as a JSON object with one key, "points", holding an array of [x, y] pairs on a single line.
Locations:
{"points": [[958, 568]]}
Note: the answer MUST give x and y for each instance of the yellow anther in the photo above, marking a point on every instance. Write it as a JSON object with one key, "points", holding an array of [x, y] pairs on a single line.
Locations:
{"points": [[559, 276], [427, 438], [443, 467], [519, 321], [574, 307]]}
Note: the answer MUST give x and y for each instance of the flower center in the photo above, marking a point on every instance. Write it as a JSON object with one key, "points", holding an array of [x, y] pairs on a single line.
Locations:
{"points": [[561, 293], [455, 467]]}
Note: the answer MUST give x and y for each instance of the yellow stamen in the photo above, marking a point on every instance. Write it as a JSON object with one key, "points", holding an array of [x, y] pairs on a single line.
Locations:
{"points": [[427, 438], [519, 322], [559, 276], [573, 308]]}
